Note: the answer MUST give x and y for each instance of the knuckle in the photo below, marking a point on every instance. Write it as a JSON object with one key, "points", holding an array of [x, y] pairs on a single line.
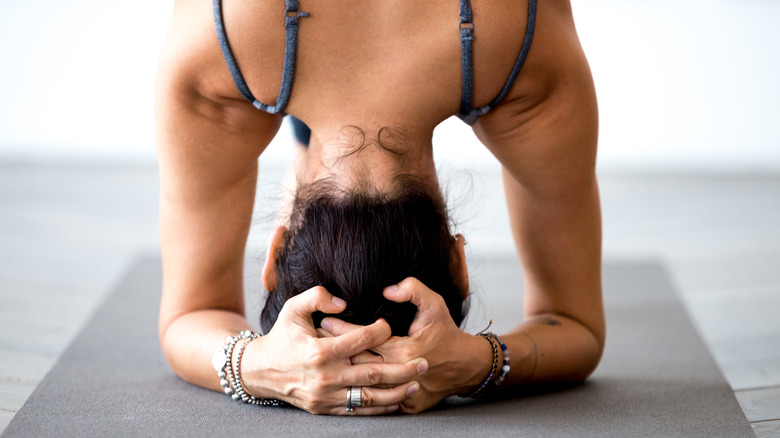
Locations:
{"points": [[308, 407], [384, 329], [307, 296], [413, 409], [314, 384], [373, 375], [318, 356], [325, 382], [438, 300], [368, 398], [320, 293], [410, 282], [406, 353], [318, 406], [304, 402], [364, 337], [314, 402]]}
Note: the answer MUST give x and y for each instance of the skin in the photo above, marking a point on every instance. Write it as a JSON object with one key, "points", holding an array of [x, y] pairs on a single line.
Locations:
{"points": [[355, 67]]}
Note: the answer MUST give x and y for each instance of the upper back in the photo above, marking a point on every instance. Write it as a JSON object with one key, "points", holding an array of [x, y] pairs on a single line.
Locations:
{"points": [[390, 63]]}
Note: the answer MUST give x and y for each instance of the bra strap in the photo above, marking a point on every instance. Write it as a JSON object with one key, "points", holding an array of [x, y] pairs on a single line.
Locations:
{"points": [[291, 17], [469, 114], [467, 58], [227, 53]]}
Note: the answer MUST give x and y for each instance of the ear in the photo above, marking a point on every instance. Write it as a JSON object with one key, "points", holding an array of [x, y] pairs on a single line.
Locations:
{"points": [[458, 265], [275, 243]]}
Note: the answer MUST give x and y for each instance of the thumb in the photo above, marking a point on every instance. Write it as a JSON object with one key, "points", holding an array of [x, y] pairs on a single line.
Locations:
{"points": [[313, 300]]}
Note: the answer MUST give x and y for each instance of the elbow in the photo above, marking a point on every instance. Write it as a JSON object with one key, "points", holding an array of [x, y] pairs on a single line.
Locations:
{"points": [[179, 360], [589, 365], [591, 356], [163, 328], [167, 337], [163, 331]]}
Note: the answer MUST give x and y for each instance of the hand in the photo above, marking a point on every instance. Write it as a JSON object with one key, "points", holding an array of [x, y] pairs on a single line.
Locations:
{"points": [[458, 361], [293, 364]]}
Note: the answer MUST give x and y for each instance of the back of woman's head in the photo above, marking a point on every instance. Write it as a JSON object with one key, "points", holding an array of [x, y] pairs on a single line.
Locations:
{"points": [[355, 242]]}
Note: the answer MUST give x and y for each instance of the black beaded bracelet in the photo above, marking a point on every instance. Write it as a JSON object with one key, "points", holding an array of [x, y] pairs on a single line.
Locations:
{"points": [[493, 369]]}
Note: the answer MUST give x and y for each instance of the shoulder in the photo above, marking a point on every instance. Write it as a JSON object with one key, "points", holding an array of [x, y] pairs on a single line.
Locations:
{"points": [[545, 131], [208, 136], [556, 63], [191, 59]]}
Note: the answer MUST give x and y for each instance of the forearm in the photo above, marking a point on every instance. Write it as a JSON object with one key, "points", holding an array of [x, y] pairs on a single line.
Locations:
{"points": [[190, 340], [558, 237], [545, 349]]}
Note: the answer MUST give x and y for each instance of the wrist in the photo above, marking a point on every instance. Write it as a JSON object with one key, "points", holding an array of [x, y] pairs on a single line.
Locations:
{"points": [[480, 363], [253, 370]]}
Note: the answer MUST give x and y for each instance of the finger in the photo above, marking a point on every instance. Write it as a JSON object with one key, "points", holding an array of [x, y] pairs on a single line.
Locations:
{"points": [[377, 401], [397, 349], [338, 327], [359, 340], [323, 333], [381, 373], [431, 306], [414, 291], [367, 357], [315, 299], [373, 397], [361, 412]]}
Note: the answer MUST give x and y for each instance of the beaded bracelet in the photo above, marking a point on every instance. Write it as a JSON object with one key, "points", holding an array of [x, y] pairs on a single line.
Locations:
{"points": [[230, 375], [225, 373], [493, 369], [505, 353]]}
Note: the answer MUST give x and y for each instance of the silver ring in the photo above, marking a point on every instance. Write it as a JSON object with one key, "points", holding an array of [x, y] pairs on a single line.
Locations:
{"points": [[354, 397]]}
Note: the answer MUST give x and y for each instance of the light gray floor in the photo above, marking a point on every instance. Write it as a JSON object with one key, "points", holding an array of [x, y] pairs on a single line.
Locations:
{"points": [[67, 232]]}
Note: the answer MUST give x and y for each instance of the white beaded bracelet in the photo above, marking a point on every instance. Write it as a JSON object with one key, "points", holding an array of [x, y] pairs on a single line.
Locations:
{"points": [[230, 374]]}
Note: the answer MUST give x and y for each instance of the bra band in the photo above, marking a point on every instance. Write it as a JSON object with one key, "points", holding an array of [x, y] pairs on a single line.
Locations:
{"points": [[467, 113], [291, 16]]}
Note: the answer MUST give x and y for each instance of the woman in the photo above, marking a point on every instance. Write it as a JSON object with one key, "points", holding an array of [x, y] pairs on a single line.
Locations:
{"points": [[372, 80]]}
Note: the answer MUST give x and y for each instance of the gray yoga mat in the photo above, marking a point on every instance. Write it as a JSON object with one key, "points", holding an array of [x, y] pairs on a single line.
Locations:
{"points": [[656, 378]]}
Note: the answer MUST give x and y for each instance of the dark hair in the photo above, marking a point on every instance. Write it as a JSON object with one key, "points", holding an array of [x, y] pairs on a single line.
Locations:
{"points": [[355, 242]]}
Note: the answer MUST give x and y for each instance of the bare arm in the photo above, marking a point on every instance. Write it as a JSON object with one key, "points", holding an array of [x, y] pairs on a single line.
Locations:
{"points": [[209, 140], [545, 136], [207, 150]]}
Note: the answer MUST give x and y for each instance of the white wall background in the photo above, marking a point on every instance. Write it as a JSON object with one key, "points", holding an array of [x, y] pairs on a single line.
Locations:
{"points": [[683, 85]]}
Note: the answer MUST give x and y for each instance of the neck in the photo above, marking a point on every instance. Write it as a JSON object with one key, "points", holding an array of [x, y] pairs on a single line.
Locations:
{"points": [[375, 156]]}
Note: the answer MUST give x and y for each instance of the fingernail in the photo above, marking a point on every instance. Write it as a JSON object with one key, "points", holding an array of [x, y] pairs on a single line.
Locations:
{"points": [[326, 324], [412, 389], [339, 302], [392, 408], [422, 366], [391, 289]]}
